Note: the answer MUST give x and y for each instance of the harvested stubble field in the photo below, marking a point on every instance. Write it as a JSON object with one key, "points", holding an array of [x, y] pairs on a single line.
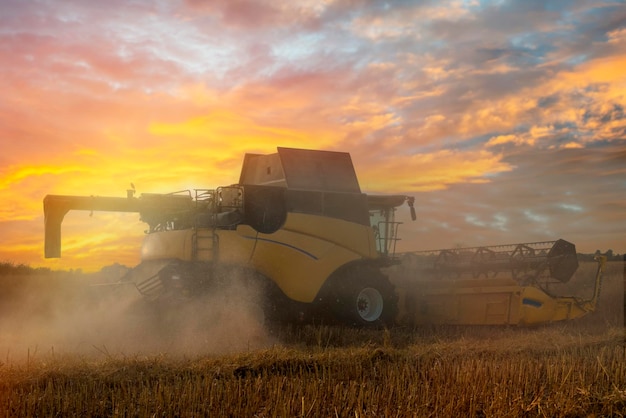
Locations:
{"points": [[567, 369]]}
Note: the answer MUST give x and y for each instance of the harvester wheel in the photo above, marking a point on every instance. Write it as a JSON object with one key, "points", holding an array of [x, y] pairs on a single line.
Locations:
{"points": [[365, 297], [369, 304]]}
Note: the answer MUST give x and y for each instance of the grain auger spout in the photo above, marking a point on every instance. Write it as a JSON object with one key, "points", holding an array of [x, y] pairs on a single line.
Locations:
{"points": [[153, 208], [55, 207]]}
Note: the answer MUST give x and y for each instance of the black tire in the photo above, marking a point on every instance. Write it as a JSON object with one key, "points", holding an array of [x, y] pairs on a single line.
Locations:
{"points": [[364, 297]]}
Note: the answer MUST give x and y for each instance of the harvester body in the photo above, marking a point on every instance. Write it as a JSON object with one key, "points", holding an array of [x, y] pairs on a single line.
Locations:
{"points": [[298, 224], [297, 221]]}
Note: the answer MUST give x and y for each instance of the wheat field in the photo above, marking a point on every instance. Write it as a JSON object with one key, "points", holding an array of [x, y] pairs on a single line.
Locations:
{"points": [[567, 369]]}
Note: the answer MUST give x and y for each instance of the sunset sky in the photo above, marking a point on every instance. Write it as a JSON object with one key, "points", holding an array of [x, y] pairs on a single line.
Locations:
{"points": [[505, 119]]}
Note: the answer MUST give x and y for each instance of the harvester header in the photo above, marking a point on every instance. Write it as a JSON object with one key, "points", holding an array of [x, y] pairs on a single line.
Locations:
{"points": [[526, 263]]}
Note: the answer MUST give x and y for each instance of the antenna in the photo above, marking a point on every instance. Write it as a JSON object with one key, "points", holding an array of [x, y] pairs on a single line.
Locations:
{"points": [[131, 192]]}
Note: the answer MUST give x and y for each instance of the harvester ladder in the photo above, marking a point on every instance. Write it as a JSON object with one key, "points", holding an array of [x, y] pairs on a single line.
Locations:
{"points": [[205, 242]]}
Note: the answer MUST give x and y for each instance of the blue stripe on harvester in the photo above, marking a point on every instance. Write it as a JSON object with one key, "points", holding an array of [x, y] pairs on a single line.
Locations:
{"points": [[308, 254], [532, 302]]}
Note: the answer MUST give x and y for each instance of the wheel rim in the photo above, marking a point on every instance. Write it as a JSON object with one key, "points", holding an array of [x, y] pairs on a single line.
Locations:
{"points": [[369, 304]]}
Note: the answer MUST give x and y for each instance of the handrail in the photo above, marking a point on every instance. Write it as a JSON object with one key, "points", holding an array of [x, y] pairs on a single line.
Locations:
{"points": [[590, 304]]}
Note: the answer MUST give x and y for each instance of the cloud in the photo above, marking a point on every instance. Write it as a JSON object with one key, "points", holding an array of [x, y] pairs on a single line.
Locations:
{"points": [[257, 15], [499, 109], [431, 171]]}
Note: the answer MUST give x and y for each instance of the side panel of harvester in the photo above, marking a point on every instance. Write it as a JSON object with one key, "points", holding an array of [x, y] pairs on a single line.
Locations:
{"points": [[468, 302], [299, 257], [307, 250]]}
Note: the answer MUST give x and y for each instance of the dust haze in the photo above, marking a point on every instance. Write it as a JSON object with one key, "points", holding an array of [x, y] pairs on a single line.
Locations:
{"points": [[74, 314]]}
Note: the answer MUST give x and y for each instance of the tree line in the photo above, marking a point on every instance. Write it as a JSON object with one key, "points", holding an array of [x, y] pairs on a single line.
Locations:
{"points": [[609, 254], [9, 268]]}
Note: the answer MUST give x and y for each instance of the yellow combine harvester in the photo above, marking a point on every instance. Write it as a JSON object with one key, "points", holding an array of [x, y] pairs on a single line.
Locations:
{"points": [[298, 225]]}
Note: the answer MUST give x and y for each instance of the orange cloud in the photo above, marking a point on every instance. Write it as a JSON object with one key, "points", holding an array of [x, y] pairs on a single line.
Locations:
{"points": [[572, 145], [617, 36], [406, 21], [506, 139], [601, 83], [495, 115], [430, 171]]}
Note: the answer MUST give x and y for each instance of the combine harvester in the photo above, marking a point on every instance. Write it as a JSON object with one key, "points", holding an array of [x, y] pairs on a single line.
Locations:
{"points": [[298, 226]]}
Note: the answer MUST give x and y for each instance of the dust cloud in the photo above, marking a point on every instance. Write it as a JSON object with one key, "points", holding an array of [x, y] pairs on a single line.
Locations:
{"points": [[42, 316]]}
